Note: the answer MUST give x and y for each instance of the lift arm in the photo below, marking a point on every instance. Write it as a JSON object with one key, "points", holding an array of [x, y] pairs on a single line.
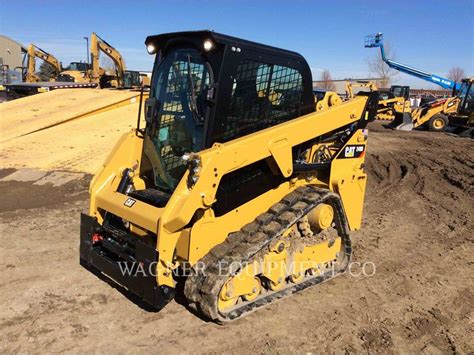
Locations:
{"points": [[376, 40], [36, 52], [97, 45]]}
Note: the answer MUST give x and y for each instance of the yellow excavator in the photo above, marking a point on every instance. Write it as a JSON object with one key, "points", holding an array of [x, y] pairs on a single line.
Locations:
{"points": [[84, 72], [237, 186], [98, 74], [36, 52]]}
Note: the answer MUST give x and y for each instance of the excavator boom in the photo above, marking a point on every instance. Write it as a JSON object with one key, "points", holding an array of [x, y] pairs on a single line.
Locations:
{"points": [[99, 45], [36, 52]]}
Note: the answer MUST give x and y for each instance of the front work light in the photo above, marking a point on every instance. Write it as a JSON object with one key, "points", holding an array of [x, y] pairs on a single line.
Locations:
{"points": [[208, 45], [150, 48]]}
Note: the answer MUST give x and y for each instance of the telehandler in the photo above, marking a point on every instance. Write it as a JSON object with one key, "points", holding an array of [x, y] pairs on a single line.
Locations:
{"points": [[237, 186]]}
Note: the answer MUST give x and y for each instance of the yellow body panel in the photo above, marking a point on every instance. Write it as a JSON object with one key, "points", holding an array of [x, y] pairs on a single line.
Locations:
{"points": [[349, 180]]}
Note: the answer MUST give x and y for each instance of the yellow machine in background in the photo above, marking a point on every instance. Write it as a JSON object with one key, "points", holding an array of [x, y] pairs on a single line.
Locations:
{"points": [[394, 102], [238, 185], [437, 115], [391, 103], [98, 45], [36, 52], [93, 73], [76, 72]]}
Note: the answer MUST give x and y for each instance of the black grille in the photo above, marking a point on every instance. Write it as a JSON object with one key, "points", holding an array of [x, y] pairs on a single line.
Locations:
{"points": [[65, 78], [263, 95]]}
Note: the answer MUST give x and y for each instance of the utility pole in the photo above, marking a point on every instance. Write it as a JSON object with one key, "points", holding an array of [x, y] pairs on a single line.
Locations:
{"points": [[87, 49]]}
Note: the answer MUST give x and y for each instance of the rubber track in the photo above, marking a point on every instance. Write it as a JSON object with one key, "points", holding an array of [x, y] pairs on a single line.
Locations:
{"points": [[203, 285]]}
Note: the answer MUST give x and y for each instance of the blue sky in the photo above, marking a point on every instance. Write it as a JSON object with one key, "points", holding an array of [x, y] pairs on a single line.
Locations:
{"points": [[429, 35]]}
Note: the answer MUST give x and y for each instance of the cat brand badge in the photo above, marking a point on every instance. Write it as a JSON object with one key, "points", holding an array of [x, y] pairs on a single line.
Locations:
{"points": [[352, 151]]}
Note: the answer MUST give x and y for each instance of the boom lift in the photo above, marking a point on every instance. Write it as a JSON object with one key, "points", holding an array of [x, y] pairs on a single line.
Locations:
{"points": [[36, 52], [236, 182], [376, 40]]}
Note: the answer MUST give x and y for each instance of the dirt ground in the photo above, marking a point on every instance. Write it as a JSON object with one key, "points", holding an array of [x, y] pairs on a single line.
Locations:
{"points": [[417, 231]]}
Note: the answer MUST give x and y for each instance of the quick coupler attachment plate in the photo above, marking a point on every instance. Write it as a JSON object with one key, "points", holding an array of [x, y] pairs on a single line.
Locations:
{"points": [[128, 261]]}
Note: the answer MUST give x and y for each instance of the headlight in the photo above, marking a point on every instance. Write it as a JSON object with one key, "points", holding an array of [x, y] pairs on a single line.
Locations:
{"points": [[150, 48], [208, 45]]}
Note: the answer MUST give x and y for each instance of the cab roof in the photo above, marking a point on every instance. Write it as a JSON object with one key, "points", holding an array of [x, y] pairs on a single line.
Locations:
{"points": [[162, 40]]}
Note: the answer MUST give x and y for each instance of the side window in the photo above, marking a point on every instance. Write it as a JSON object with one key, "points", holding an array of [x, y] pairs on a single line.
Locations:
{"points": [[263, 95]]}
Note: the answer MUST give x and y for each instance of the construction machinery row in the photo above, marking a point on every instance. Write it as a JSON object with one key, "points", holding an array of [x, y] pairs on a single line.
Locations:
{"points": [[77, 74]]}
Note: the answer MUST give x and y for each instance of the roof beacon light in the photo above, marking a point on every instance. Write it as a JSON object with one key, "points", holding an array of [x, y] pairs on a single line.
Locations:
{"points": [[208, 45]]}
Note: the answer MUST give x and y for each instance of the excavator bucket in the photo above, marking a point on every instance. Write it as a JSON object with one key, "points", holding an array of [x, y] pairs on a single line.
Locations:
{"points": [[402, 122]]}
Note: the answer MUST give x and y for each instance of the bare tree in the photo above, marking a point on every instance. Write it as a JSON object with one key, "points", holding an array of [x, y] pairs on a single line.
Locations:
{"points": [[326, 81], [378, 67], [456, 74]]}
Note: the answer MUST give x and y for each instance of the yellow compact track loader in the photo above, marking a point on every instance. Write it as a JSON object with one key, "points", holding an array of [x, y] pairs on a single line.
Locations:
{"points": [[237, 186]]}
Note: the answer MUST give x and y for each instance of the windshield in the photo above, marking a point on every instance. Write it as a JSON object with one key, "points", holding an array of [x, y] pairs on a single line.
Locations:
{"points": [[77, 66], [466, 94], [180, 85], [463, 90]]}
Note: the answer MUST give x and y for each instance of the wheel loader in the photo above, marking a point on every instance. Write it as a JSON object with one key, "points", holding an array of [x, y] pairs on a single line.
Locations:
{"points": [[237, 188]]}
